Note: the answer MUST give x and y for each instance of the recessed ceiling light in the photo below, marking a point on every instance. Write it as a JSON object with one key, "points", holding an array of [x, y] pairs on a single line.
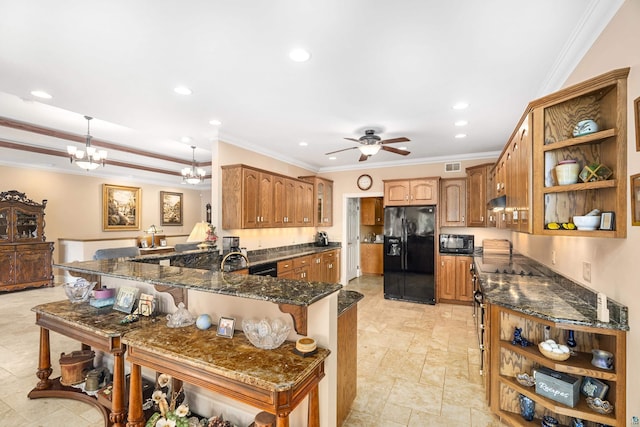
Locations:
{"points": [[302, 144], [215, 122], [460, 106], [41, 94], [182, 90], [402, 148], [461, 135], [461, 123], [332, 158], [299, 55], [185, 139]]}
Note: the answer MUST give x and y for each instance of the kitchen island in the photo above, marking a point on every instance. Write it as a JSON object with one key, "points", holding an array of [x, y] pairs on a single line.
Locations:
{"points": [[313, 306], [518, 292]]}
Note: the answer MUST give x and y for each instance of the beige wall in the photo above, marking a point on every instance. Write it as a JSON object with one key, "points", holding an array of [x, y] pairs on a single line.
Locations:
{"points": [[614, 262], [74, 207]]}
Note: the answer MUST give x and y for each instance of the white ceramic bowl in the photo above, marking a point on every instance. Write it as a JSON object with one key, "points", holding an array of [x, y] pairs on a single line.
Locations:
{"points": [[567, 173], [587, 222], [266, 334]]}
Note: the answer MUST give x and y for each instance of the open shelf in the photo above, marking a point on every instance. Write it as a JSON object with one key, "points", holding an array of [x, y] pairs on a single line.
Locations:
{"points": [[584, 139], [581, 186]]}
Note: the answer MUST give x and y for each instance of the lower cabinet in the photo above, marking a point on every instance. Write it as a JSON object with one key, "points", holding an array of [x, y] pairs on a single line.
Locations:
{"points": [[454, 279], [371, 258], [320, 267], [507, 360], [347, 361], [25, 266]]}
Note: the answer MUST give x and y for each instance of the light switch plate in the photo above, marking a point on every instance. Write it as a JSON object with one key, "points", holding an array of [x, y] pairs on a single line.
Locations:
{"points": [[586, 271]]}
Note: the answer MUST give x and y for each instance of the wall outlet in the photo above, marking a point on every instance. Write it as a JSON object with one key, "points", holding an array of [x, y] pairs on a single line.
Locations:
{"points": [[553, 257], [635, 421], [586, 271]]}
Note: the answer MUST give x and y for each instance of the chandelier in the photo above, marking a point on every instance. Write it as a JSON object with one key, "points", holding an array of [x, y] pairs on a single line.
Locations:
{"points": [[90, 158], [193, 175]]}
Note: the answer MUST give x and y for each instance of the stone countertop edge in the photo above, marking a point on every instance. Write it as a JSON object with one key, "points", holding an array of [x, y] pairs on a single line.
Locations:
{"points": [[347, 299], [552, 297], [265, 288]]}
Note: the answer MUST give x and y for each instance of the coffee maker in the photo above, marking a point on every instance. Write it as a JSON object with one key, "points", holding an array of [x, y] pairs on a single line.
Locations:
{"points": [[230, 244], [322, 239]]}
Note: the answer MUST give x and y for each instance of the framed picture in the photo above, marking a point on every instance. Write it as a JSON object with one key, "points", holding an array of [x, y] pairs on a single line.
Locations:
{"points": [[170, 208], [607, 221], [163, 242], [636, 109], [126, 299], [146, 305], [120, 207], [225, 327], [144, 244], [635, 199]]}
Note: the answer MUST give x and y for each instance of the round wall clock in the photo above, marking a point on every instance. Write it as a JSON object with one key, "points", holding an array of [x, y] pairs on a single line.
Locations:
{"points": [[364, 182]]}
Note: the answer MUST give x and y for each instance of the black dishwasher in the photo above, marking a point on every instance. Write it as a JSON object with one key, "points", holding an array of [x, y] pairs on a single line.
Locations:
{"points": [[268, 269]]}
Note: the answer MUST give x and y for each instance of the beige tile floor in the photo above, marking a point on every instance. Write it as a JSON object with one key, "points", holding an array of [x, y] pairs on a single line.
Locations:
{"points": [[417, 365]]}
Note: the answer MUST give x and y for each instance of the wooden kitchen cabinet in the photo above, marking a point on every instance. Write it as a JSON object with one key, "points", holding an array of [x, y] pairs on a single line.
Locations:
{"points": [[507, 360], [453, 202], [254, 198], [603, 99], [371, 258], [323, 197], [477, 195], [320, 267], [409, 192], [371, 211], [454, 279], [25, 256], [331, 266]]}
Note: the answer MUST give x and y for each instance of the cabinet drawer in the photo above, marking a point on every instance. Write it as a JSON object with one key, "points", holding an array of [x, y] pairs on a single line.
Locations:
{"points": [[302, 261], [284, 266]]}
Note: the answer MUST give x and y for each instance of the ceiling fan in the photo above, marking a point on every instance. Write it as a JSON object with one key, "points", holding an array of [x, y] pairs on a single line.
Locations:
{"points": [[370, 144]]}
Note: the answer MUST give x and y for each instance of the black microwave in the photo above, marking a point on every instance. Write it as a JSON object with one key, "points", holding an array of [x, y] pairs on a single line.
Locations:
{"points": [[456, 244]]}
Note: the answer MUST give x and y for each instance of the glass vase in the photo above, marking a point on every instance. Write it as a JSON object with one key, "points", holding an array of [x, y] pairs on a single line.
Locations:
{"points": [[527, 407]]}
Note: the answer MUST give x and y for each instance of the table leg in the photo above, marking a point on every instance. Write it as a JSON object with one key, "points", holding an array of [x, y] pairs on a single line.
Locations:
{"points": [[314, 408], [118, 413], [282, 420], [136, 414], [44, 361]]}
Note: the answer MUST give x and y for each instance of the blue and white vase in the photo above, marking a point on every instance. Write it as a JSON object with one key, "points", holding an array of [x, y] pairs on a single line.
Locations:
{"points": [[527, 407]]}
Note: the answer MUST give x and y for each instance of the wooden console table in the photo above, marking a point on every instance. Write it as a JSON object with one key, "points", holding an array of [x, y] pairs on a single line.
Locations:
{"points": [[94, 328], [275, 381]]}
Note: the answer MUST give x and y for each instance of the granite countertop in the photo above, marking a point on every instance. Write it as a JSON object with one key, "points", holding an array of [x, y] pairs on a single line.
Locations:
{"points": [[236, 358], [547, 295], [266, 288], [347, 299]]}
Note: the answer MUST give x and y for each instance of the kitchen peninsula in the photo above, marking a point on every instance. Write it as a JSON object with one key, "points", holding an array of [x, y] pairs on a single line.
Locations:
{"points": [[313, 306], [518, 292]]}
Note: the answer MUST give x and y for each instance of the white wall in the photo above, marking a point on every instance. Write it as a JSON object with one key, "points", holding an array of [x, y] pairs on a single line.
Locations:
{"points": [[615, 266]]}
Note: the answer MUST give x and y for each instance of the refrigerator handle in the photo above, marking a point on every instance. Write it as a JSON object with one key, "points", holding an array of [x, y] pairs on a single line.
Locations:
{"points": [[404, 245]]}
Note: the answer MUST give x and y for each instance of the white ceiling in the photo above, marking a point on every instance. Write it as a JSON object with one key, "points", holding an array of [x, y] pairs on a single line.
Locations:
{"points": [[395, 66]]}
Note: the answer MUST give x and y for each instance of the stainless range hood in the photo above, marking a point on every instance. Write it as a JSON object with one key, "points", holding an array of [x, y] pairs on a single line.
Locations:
{"points": [[497, 204]]}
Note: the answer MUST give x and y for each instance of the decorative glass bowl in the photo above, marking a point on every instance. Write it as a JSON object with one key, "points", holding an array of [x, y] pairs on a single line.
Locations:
{"points": [[79, 290], [266, 334], [599, 405], [526, 380]]}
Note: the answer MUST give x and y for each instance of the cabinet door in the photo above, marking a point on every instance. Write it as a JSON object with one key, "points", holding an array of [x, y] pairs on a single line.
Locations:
{"points": [[452, 202], [5, 225], [525, 175], [477, 196], [33, 264], [464, 284], [379, 211], [368, 211], [371, 259], [327, 208], [291, 202], [266, 200], [447, 278], [279, 201], [396, 193], [331, 266], [423, 191], [304, 204], [315, 269], [7, 266], [251, 199]]}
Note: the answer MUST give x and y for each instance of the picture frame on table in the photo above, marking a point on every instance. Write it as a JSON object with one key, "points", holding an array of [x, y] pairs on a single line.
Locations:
{"points": [[163, 242], [635, 199], [225, 327], [144, 244], [170, 208], [120, 207], [126, 299], [607, 221]]}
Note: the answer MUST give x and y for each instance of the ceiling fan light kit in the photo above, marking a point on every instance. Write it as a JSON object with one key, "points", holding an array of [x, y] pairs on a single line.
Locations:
{"points": [[370, 144], [95, 158]]}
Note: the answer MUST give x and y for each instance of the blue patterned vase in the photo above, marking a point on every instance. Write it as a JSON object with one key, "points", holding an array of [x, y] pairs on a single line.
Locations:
{"points": [[527, 407]]}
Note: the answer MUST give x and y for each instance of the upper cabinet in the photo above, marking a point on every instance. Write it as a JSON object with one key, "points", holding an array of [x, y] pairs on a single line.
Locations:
{"points": [[477, 195], [254, 198], [371, 211], [408, 192], [453, 201], [323, 196], [602, 99]]}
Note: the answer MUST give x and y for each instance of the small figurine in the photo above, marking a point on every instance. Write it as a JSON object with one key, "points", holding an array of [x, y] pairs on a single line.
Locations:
{"points": [[518, 338]]}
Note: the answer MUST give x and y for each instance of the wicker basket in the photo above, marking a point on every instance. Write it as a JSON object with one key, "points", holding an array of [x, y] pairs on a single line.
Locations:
{"points": [[553, 356]]}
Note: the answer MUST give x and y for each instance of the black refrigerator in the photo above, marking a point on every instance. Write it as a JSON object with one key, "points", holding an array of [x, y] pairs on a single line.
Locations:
{"points": [[409, 253]]}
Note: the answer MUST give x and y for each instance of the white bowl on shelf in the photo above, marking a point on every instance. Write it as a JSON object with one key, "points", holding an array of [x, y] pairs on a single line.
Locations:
{"points": [[587, 222]]}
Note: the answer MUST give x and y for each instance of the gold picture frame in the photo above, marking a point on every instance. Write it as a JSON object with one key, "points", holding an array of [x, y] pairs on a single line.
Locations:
{"points": [[170, 208], [636, 115], [120, 207], [635, 199]]}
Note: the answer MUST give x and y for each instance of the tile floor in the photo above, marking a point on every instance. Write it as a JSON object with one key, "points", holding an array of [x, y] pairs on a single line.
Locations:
{"points": [[417, 365]]}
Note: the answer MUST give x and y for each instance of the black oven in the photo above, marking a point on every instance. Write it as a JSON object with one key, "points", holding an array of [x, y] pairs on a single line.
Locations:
{"points": [[456, 244]]}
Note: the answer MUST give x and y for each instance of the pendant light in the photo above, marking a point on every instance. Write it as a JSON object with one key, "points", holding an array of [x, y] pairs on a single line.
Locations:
{"points": [[193, 175], [90, 158]]}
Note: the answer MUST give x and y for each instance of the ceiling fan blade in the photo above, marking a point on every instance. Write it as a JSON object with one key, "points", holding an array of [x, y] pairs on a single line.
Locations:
{"points": [[392, 140], [395, 150], [363, 157], [337, 151], [355, 140]]}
